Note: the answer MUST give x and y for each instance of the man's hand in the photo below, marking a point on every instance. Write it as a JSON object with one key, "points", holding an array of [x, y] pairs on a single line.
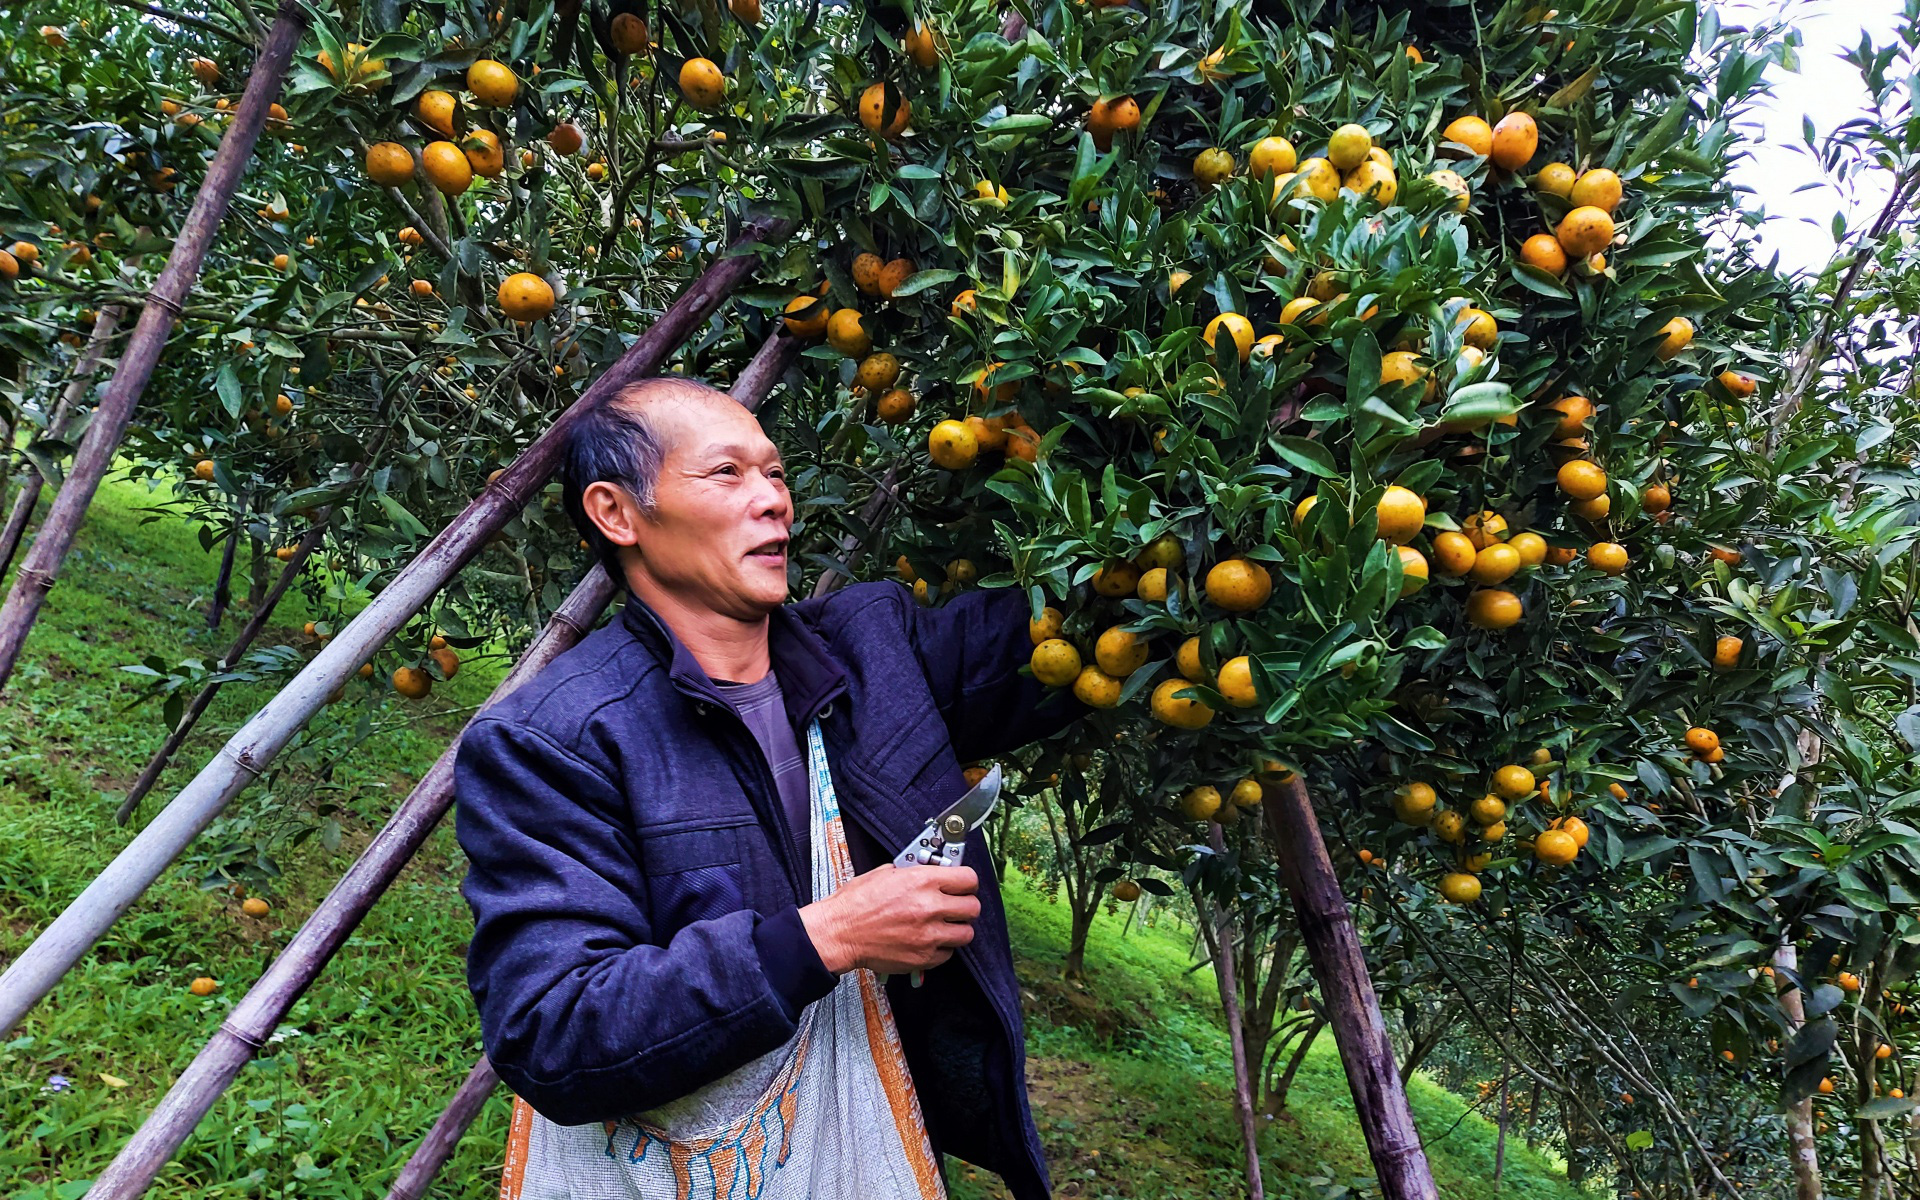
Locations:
{"points": [[895, 919]]}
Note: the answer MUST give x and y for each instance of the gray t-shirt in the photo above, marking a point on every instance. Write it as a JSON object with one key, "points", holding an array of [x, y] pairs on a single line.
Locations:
{"points": [[762, 707]]}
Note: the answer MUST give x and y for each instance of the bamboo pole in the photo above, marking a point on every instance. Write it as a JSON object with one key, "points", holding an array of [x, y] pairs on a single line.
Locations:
{"points": [[1805, 1150], [1223, 947], [1326, 925], [110, 417], [417, 1176], [63, 415], [267, 1002], [249, 751]]}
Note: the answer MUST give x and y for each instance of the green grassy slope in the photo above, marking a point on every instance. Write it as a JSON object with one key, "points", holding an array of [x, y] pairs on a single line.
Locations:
{"points": [[1128, 1070]]}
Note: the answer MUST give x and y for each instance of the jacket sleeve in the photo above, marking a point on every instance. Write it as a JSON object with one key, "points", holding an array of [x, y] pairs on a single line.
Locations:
{"points": [[584, 1013], [972, 649]]}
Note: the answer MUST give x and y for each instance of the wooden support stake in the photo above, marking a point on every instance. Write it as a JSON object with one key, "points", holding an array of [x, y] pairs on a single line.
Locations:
{"points": [[1326, 925], [115, 410], [251, 750], [267, 1002], [417, 1176]]}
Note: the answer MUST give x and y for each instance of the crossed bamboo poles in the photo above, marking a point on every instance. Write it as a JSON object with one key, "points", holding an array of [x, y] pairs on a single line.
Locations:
{"points": [[1326, 923]]}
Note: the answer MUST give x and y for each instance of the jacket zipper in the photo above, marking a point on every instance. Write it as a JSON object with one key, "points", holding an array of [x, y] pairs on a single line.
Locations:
{"points": [[777, 816]]}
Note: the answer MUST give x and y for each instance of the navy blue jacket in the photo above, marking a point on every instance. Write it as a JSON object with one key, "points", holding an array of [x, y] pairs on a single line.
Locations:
{"points": [[637, 930]]}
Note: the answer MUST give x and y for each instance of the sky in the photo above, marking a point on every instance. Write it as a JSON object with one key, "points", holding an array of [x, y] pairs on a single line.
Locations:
{"points": [[1829, 91]]}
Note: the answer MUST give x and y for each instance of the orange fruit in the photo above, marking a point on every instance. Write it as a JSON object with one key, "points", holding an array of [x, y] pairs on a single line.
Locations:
{"points": [[482, 147], [1212, 167], [1726, 652], [965, 302], [525, 296], [1515, 139], [1401, 367], [1599, 188], [1493, 608], [1163, 551], [1451, 183], [1271, 157], [1561, 556], [1531, 547], [1676, 335], [1238, 584], [1702, 741], [1200, 803], [566, 138], [1556, 848], [1580, 479], [1152, 586], [702, 83], [1543, 250], [1513, 782], [921, 47], [1722, 554], [412, 682], [1608, 558], [894, 274], [1055, 662], [1246, 793], [814, 323], [1293, 310], [952, 446], [629, 34], [894, 407], [1739, 385], [1119, 652], [435, 109], [1483, 529], [1459, 888], [1180, 712], [447, 660], [1109, 117], [1575, 828], [203, 986], [1186, 660], [1400, 515], [847, 333], [447, 167], [1038, 630], [875, 109], [254, 906], [492, 83], [877, 372], [1575, 412], [1317, 177], [1236, 682], [1472, 132], [1126, 891], [1482, 330], [1488, 810], [389, 164], [1450, 827], [1595, 510], [203, 470], [1555, 179], [1116, 579], [1413, 803], [1347, 147], [1413, 570], [1453, 554], [1375, 179], [1494, 564], [1096, 689], [1237, 327], [1585, 231]]}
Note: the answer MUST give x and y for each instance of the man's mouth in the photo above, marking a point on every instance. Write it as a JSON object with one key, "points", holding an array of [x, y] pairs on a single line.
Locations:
{"points": [[770, 551]]}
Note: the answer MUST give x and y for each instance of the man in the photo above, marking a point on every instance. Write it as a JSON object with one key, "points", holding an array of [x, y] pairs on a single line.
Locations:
{"points": [[678, 943]]}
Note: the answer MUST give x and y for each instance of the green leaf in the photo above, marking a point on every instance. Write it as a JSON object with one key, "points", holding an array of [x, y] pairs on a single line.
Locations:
{"points": [[227, 383], [920, 281], [1640, 1139], [1480, 402], [1539, 280], [1307, 454]]}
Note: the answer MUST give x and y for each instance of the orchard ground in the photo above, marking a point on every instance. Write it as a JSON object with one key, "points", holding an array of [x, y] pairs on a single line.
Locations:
{"points": [[1129, 1070]]}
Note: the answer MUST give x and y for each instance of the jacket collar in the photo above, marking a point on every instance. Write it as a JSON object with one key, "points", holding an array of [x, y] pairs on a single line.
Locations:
{"points": [[809, 677]]}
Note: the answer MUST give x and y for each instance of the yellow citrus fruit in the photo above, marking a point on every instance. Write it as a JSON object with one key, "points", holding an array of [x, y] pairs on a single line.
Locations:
{"points": [[1163, 551], [1293, 310], [1515, 139], [847, 333], [1115, 579], [1237, 327], [1451, 183], [492, 83], [1726, 652], [1531, 547], [1472, 132], [1318, 178], [205, 985], [412, 682], [1055, 662], [484, 154], [1453, 554], [1514, 782], [866, 272], [1482, 330], [814, 323], [1401, 367], [1152, 586], [1574, 828], [1555, 179], [874, 111], [1543, 250], [1556, 848], [1347, 147], [921, 46], [1236, 682], [1599, 188], [1109, 117], [1676, 335], [1738, 384], [1400, 515], [1246, 793], [1047, 625], [1493, 608], [1200, 803], [1450, 826], [952, 446], [1270, 157], [702, 83], [1575, 412], [1374, 179], [435, 108], [1413, 570], [1488, 810], [1095, 688], [1181, 712], [1608, 558], [1585, 231], [1119, 652], [877, 371], [894, 407], [1413, 803], [203, 470], [1238, 584], [1212, 167], [447, 167], [1595, 509], [1186, 660], [525, 296], [1495, 563], [1581, 479], [389, 164]]}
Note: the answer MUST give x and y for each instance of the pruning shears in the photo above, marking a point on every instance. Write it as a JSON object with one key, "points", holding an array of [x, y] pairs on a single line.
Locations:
{"points": [[944, 840]]}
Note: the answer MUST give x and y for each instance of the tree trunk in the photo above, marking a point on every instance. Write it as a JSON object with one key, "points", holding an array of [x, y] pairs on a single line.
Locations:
{"points": [[1277, 1096], [223, 582], [417, 1176], [253, 1019], [110, 418], [1500, 1143], [1223, 947], [1077, 939], [1803, 1149], [257, 570], [1333, 946], [249, 752], [64, 413]]}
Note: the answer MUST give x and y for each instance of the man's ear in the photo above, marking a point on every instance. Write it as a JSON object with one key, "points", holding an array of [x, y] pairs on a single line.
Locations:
{"points": [[613, 511]]}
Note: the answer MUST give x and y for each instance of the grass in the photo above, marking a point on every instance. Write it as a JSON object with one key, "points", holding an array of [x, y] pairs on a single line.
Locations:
{"points": [[1129, 1077]]}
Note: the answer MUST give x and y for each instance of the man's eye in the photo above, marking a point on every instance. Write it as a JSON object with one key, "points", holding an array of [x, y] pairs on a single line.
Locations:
{"points": [[728, 469]]}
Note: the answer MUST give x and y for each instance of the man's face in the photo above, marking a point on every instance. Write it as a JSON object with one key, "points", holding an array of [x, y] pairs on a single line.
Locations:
{"points": [[718, 536]]}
